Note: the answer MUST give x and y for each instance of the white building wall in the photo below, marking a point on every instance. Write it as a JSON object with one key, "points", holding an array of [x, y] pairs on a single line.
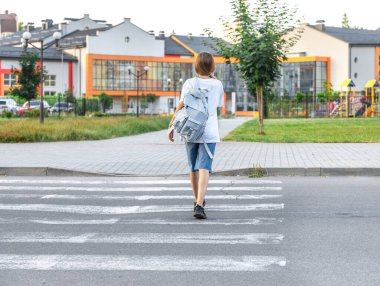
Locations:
{"points": [[9, 64], [126, 39], [82, 24], [83, 70], [117, 105], [79, 73], [57, 68], [159, 106], [162, 105], [317, 43], [61, 72], [363, 61]]}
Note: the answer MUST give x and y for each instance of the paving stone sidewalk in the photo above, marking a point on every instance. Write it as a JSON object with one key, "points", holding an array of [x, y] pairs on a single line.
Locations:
{"points": [[152, 154]]}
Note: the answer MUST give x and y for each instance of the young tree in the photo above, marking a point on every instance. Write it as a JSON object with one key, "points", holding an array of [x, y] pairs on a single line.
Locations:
{"points": [[258, 43], [28, 77], [345, 21], [105, 101], [20, 26]]}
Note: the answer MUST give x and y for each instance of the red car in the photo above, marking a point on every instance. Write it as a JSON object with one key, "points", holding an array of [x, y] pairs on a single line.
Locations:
{"points": [[34, 104]]}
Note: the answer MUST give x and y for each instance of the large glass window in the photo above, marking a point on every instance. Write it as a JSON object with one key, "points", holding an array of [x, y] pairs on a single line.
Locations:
{"points": [[9, 79], [304, 76], [161, 76]]}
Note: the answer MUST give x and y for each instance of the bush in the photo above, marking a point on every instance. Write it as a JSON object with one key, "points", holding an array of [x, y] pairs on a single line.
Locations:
{"points": [[100, 114], [34, 113], [228, 115], [19, 100], [6, 114]]}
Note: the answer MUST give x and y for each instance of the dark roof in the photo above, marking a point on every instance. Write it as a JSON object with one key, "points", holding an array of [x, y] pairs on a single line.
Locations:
{"points": [[355, 36], [37, 35], [198, 43], [173, 48], [49, 54], [78, 38]]}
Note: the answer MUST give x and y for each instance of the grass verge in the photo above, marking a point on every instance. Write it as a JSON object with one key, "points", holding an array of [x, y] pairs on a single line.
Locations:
{"points": [[309, 130], [76, 129]]}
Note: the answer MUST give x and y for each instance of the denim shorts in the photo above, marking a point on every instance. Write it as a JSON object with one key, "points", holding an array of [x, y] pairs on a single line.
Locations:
{"points": [[198, 157]]}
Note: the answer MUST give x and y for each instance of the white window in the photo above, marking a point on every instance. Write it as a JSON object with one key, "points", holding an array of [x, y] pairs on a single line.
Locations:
{"points": [[49, 80], [9, 79], [49, 92]]}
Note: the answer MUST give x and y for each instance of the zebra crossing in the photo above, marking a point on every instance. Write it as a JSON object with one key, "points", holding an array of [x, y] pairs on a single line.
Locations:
{"points": [[137, 218]]}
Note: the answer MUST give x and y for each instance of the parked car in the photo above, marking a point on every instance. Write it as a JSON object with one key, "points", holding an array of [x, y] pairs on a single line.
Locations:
{"points": [[34, 104], [62, 107], [8, 104]]}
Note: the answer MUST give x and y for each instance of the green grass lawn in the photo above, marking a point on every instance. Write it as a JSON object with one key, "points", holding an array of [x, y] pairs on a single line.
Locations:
{"points": [[76, 128], [309, 130]]}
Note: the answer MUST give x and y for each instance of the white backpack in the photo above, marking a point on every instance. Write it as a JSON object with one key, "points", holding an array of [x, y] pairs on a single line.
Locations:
{"points": [[190, 122]]}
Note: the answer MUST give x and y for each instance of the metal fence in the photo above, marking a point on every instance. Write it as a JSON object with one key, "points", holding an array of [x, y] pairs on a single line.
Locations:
{"points": [[291, 108]]}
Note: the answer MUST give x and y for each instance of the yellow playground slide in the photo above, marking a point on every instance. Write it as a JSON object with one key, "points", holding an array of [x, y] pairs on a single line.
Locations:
{"points": [[370, 110]]}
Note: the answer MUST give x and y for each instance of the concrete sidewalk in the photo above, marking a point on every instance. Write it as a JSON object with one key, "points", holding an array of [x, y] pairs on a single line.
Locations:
{"points": [[152, 154]]}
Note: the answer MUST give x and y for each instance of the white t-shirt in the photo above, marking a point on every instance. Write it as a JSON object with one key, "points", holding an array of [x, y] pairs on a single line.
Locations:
{"points": [[214, 98]]}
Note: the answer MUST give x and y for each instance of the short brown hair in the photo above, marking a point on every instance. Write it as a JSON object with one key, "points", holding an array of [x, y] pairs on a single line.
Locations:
{"points": [[205, 64]]}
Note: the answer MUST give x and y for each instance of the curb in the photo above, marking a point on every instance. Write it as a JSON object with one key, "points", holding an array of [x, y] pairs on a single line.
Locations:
{"points": [[42, 171], [300, 172], [305, 172]]}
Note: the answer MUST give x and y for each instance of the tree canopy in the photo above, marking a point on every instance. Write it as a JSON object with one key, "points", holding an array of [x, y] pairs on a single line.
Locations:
{"points": [[28, 77], [258, 40]]}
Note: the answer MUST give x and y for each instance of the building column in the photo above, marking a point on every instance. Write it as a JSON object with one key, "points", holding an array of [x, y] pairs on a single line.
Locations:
{"points": [[233, 102], [224, 107], [70, 77], [39, 86]]}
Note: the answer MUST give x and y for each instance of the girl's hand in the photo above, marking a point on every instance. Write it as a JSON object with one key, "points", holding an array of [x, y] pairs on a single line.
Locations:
{"points": [[171, 134]]}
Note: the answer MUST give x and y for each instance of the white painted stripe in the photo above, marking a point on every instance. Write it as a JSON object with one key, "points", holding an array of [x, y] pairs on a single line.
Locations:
{"points": [[132, 238], [226, 222], [136, 182], [136, 198], [74, 222], [147, 198], [142, 263], [132, 189], [89, 209]]}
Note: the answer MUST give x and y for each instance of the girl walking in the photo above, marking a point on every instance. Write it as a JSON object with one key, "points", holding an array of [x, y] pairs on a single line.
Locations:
{"points": [[200, 163]]}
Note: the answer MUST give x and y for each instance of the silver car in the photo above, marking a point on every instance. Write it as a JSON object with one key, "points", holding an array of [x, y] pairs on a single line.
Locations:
{"points": [[8, 104]]}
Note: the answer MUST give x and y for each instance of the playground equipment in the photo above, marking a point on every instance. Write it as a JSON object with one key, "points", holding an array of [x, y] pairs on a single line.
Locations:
{"points": [[371, 100], [354, 105], [335, 111], [347, 104]]}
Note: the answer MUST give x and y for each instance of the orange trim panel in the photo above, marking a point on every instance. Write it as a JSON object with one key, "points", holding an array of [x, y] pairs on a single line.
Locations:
{"points": [[247, 113], [328, 66], [307, 59]]}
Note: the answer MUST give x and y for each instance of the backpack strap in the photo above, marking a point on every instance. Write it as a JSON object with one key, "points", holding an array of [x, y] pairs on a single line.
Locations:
{"points": [[208, 150]]}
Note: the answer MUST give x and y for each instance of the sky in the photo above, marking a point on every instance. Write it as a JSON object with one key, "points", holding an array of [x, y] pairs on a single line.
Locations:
{"points": [[183, 17]]}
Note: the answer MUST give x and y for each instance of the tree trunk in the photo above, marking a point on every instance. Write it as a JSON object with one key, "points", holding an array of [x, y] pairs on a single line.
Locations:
{"points": [[260, 104]]}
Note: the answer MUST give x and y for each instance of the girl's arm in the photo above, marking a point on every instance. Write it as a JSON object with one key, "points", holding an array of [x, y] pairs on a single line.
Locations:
{"points": [[171, 129], [179, 107]]}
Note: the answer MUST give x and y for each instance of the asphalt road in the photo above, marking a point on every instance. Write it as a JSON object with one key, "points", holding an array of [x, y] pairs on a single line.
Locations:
{"points": [[140, 231]]}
